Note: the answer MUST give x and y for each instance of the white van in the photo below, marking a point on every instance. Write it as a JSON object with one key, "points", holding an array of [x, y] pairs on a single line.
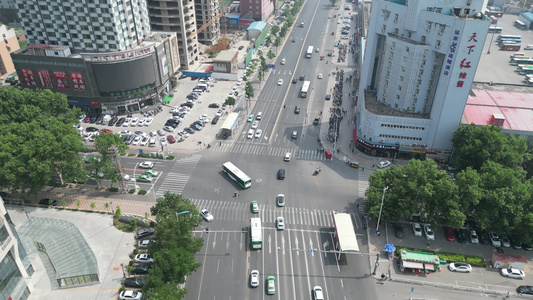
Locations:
{"points": [[152, 141], [528, 47], [259, 115]]}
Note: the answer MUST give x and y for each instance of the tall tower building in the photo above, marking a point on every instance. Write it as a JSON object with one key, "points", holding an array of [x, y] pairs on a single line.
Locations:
{"points": [[93, 26], [177, 16], [420, 59], [207, 10]]}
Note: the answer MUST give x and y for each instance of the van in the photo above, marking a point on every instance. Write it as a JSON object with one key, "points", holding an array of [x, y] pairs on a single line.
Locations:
{"points": [[201, 86], [295, 134], [528, 47], [152, 141], [517, 54], [106, 119], [259, 116]]}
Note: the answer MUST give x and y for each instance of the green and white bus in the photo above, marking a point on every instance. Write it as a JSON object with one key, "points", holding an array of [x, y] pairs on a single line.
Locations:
{"points": [[256, 236], [305, 89], [237, 175]]}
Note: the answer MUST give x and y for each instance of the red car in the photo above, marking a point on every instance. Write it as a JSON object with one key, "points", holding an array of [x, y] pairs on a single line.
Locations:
{"points": [[171, 139], [88, 118], [106, 130], [450, 235]]}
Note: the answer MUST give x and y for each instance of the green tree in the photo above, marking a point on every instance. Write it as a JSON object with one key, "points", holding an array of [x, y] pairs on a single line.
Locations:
{"points": [[37, 140], [271, 54], [474, 145], [333, 2], [103, 142], [260, 76], [274, 30], [230, 101], [277, 42], [174, 252], [249, 90]]}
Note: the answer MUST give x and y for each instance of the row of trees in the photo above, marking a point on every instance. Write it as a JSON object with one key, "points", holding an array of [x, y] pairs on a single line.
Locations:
{"points": [[175, 247], [490, 187]]}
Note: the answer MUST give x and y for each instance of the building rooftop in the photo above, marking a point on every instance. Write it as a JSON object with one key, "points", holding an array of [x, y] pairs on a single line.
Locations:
{"points": [[374, 106], [257, 26], [515, 107], [225, 55]]}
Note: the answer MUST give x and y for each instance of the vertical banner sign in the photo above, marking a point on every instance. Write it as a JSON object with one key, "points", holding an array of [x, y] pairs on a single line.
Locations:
{"points": [[77, 81], [465, 62], [61, 79], [28, 77], [46, 80]]}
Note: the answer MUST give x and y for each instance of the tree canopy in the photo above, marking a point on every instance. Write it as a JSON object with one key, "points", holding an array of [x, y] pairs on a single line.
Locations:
{"points": [[175, 247], [37, 139]]}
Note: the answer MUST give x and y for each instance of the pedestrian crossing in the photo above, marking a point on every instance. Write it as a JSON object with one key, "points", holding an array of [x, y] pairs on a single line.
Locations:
{"points": [[262, 149], [363, 182], [176, 180], [236, 211]]}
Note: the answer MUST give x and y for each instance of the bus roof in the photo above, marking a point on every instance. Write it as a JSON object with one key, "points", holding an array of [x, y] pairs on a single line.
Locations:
{"points": [[345, 232], [256, 229]]}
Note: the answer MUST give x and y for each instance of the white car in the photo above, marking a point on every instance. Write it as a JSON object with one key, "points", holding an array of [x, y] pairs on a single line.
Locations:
{"points": [[283, 61], [473, 237], [287, 156], [255, 124], [495, 239], [231, 94], [184, 134], [319, 75], [206, 215], [344, 37], [239, 82], [141, 122], [280, 200], [126, 177], [429, 233], [512, 273], [258, 133], [254, 278], [146, 165], [153, 133], [317, 293], [125, 133], [134, 122], [383, 164], [127, 122], [250, 134], [143, 258], [144, 141], [144, 243], [136, 140], [163, 141], [280, 223], [417, 230], [219, 113], [460, 267], [174, 109], [152, 141], [130, 295], [280, 82], [148, 122]]}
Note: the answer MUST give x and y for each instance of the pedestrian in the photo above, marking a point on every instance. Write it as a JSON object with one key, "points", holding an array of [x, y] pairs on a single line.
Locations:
{"points": [[363, 168], [220, 143], [357, 204], [373, 166], [378, 233]]}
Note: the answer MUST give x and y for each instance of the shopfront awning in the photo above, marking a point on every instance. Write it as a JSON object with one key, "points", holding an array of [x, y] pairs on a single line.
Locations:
{"points": [[412, 265], [429, 267]]}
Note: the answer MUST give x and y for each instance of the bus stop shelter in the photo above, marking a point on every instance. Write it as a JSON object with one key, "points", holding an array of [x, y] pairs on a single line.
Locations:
{"points": [[345, 240], [229, 125]]}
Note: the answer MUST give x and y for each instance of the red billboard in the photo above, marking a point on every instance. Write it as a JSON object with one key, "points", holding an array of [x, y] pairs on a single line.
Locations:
{"points": [[77, 81], [46, 80], [61, 79], [28, 77]]}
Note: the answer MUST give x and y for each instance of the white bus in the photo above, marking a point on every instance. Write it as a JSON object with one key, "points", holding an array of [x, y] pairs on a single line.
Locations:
{"points": [[309, 52], [305, 89], [256, 235], [237, 175]]}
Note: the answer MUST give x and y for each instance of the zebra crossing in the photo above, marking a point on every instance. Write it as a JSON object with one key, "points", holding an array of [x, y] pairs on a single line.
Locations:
{"points": [[261, 149], [176, 180], [236, 211], [363, 182]]}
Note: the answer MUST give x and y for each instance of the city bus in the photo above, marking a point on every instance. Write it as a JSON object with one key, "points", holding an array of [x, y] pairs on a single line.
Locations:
{"points": [[524, 70], [510, 47], [493, 20], [256, 236], [508, 40], [309, 52], [305, 89], [516, 60], [494, 13], [508, 36], [495, 29], [514, 57], [520, 25], [524, 62], [237, 175]]}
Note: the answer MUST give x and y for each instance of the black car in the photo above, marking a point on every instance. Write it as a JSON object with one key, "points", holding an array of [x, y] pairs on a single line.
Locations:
{"points": [[141, 269], [316, 121], [189, 130], [281, 174], [189, 104], [215, 120], [47, 201], [296, 110], [214, 105], [134, 282], [196, 127], [91, 129], [129, 139], [302, 77], [99, 119], [112, 121], [484, 238], [120, 122], [525, 289], [144, 232], [241, 47], [461, 236], [398, 230], [294, 80], [93, 119], [328, 97]]}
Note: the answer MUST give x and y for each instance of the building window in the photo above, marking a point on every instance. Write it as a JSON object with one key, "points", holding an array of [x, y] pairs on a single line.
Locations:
{"points": [[441, 29], [406, 49], [396, 18], [438, 44], [428, 26], [395, 31], [423, 39], [401, 78]]}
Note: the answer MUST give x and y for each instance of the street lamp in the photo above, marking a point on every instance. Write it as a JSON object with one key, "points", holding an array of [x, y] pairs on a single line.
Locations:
{"points": [[381, 208], [123, 273], [181, 213]]}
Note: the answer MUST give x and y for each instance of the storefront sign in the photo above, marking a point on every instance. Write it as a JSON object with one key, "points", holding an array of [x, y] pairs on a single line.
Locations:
{"points": [[44, 77], [77, 81], [28, 77], [61, 79]]}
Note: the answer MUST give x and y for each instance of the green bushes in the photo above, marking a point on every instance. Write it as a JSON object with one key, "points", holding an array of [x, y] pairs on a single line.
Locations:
{"points": [[142, 192], [475, 261]]}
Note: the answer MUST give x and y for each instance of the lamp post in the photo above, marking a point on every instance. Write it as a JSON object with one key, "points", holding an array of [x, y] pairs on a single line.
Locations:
{"points": [[381, 207], [123, 273]]}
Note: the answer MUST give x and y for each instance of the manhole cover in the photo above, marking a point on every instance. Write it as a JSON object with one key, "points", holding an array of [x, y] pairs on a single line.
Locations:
{"points": [[259, 180]]}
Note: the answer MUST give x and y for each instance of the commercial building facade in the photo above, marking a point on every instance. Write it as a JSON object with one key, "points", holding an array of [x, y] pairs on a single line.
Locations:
{"points": [[419, 63]]}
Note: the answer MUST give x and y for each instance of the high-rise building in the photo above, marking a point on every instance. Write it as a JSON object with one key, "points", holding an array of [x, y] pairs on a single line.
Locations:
{"points": [[177, 16], [419, 63], [7, 45], [207, 10], [92, 25], [15, 265], [259, 10]]}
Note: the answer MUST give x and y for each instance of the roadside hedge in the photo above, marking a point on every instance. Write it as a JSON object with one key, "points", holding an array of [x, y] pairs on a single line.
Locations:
{"points": [[449, 257]]}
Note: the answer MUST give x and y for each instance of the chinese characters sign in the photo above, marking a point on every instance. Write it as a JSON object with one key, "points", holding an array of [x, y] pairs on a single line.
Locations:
{"points": [[77, 81], [61, 79], [44, 76], [451, 54], [465, 62], [28, 77]]}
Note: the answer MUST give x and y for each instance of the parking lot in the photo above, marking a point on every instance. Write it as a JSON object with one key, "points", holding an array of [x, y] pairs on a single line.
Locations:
{"points": [[495, 67]]}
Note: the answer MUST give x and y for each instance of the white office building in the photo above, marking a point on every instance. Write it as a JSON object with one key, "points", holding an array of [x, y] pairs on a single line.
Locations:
{"points": [[90, 26], [419, 62]]}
